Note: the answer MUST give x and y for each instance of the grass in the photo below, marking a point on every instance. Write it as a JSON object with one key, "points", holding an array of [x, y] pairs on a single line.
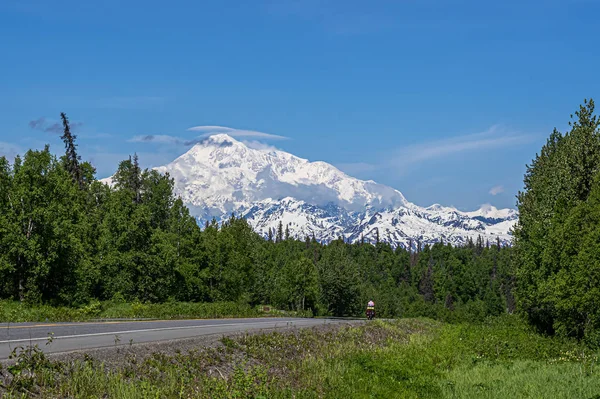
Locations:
{"points": [[522, 379], [14, 312], [408, 358]]}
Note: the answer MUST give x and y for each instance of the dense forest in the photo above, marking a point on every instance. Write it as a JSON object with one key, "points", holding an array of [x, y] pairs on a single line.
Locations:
{"points": [[67, 239]]}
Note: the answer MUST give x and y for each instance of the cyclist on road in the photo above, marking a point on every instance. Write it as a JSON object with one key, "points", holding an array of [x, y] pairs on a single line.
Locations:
{"points": [[370, 309]]}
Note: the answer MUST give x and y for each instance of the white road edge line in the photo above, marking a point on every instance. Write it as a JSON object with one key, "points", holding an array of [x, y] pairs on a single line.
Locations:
{"points": [[134, 331]]}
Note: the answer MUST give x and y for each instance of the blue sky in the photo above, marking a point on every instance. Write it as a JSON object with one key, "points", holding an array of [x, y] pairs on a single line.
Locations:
{"points": [[445, 100]]}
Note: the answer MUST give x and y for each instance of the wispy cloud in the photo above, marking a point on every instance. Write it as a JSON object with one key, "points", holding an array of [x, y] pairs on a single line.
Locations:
{"points": [[45, 125], [211, 130], [257, 145], [494, 138], [165, 139], [496, 190], [206, 131], [157, 138], [402, 160]]}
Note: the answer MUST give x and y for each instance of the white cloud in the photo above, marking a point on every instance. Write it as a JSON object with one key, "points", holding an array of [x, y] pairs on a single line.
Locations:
{"points": [[493, 138], [496, 190], [257, 145], [211, 130], [207, 132]]}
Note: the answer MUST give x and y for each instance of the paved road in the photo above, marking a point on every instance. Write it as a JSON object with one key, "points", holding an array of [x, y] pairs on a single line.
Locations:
{"points": [[81, 336]]}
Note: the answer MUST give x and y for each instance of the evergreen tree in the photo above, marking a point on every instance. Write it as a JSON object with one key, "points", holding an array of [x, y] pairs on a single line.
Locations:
{"points": [[136, 179], [426, 283], [558, 184], [340, 281], [279, 236], [71, 159]]}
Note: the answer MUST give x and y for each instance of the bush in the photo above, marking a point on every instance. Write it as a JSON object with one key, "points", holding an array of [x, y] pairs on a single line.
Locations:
{"points": [[14, 312]]}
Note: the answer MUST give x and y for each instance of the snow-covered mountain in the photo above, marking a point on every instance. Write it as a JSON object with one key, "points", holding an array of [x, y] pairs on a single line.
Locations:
{"points": [[221, 175]]}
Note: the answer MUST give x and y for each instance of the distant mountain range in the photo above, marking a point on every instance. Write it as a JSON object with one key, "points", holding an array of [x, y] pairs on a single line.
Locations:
{"points": [[221, 176]]}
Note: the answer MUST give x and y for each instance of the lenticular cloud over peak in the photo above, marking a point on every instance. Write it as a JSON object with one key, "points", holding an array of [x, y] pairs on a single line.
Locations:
{"points": [[211, 130]]}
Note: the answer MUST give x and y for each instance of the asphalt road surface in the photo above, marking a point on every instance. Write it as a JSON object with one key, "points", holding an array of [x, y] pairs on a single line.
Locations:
{"points": [[67, 337]]}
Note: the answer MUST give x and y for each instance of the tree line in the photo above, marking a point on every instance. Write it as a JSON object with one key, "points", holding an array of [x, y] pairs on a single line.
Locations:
{"points": [[68, 239]]}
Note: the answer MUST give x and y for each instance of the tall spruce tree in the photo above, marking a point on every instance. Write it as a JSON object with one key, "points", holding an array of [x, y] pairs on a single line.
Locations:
{"points": [[71, 159], [279, 236]]}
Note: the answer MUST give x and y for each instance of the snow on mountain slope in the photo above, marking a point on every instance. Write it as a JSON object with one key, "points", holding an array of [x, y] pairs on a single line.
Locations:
{"points": [[222, 175], [491, 213]]}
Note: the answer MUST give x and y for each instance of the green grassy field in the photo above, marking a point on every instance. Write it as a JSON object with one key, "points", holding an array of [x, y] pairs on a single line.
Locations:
{"points": [[408, 358]]}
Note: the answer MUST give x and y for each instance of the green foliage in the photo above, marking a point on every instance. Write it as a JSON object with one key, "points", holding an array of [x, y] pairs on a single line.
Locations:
{"points": [[340, 280], [42, 229], [14, 312], [557, 235]]}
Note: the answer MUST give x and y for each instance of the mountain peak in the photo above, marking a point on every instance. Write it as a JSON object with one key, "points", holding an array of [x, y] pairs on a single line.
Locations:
{"points": [[219, 139], [213, 149], [221, 175], [440, 208], [491, 212], [224, 174], [488, 208]]}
